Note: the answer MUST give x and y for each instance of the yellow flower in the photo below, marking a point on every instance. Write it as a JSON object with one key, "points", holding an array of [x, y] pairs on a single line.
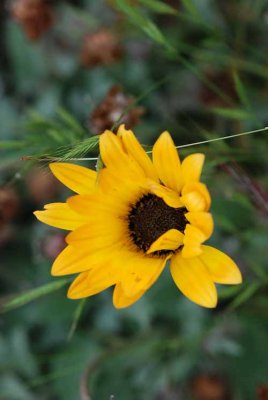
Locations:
{"points": [[132, 217]]}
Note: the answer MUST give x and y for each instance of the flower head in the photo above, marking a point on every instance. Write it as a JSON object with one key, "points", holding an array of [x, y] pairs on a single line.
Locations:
{"points": [[113, 107], [132, 217], [35, 16], [100, 48]]}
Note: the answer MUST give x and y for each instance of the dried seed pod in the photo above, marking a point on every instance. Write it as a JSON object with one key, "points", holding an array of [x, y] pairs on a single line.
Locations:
{"points": [[35, 16], [208, 386], [111, 108], [100, 48]]}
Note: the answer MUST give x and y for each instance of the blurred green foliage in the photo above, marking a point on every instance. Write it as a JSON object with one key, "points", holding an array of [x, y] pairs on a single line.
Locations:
{"points": [[200, 71]]}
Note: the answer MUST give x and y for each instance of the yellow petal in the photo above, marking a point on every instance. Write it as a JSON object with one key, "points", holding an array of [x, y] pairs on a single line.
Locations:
{"points": [[194, 280], [79, 179], [196, 197], [221, 267], [115, 158], [202, 221], [120, 300], [170, 197], [88, 204], [120, 193], [194, 201], [167, 163], [109, 180], [193, 238], [60, 215], [140, 272], [93, 282], [97, 235], [73, 260], [192, 167], [135, 150], [170, 240]]}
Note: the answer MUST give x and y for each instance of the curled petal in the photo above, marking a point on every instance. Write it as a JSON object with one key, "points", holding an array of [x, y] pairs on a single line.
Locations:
{"points": [[196, 197], [170, 240], [193, 238], [170, 197], [201, 220]]}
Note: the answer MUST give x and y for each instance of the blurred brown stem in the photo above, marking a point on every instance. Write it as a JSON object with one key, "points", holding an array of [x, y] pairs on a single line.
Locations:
{"points": [[257, 193], [91, 368]]}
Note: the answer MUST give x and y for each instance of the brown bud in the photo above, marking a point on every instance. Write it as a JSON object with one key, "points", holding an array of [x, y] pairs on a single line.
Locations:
{"points": [[100, 48], [111, 108], [9, 204], [209, 387], [35, 16]]}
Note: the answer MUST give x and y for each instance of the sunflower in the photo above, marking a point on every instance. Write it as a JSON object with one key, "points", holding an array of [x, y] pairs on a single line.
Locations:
{"points": [[132, 217]]}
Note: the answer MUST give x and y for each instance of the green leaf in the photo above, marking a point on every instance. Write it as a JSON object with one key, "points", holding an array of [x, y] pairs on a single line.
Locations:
{"points": [[56, 136], [141, 21], [232, 113], [136, 17], [12, 144], [191, 8], [154, 32], [260, 272], [159, 7], [27, 297], [243, 297], [240, 89], [229, 291], [77, 315], [71, 122]]}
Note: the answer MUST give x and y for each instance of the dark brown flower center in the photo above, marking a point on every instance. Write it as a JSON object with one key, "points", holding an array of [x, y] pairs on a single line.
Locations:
{"points": [[151, 217]]}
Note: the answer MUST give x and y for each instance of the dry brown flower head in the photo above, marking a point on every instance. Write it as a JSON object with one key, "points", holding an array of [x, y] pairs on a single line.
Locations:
{"points": [[35, 16], [111, 108], [100, 48], [209, 387]]}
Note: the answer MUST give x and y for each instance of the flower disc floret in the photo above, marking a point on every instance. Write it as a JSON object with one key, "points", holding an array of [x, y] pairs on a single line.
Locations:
{"points": [[151, 217]]}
